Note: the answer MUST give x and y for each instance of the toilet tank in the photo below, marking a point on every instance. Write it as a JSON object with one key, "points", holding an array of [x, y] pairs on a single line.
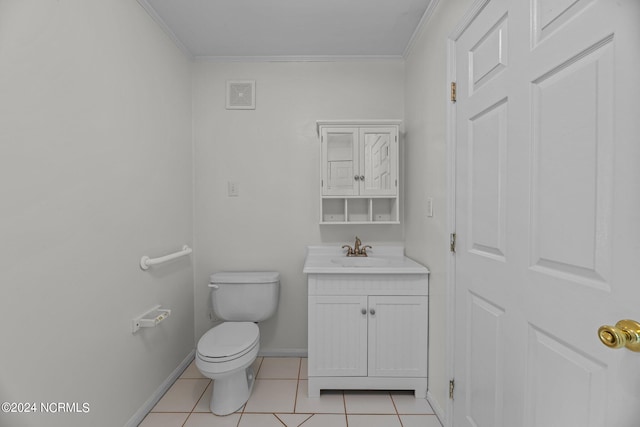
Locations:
{"points": [[245, 296]]}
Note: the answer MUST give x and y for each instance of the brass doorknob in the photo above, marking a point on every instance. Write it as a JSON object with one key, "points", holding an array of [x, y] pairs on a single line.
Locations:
{"points": [[626, 333]]}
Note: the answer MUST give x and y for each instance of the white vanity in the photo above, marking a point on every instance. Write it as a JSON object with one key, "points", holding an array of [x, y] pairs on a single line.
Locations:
{"points": [[368, 320]]}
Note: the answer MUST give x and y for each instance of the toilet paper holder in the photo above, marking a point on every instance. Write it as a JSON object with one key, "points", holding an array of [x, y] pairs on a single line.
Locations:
{"points": [[150, 319]]}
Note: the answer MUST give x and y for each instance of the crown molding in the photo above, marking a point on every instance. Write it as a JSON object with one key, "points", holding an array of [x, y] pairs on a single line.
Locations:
{"points": [[424, 21], [152, 13], [300, 58]]}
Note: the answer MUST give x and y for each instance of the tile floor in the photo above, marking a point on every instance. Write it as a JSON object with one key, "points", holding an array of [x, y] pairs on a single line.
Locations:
{"points": [[279, 398]]}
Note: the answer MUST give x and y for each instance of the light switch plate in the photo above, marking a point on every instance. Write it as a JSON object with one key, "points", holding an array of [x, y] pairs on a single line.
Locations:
{"points": [[233, 189]]}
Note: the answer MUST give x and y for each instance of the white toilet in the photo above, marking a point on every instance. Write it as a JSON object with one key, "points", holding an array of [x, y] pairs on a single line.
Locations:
{"points": [[227, 351]]}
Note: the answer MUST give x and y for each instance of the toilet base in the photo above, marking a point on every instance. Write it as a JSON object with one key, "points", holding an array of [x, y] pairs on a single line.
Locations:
{"points": [[230, 392]]}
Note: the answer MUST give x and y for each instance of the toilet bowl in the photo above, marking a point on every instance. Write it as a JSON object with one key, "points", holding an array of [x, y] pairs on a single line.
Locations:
{"points": [[227, 351], [226, 354]]}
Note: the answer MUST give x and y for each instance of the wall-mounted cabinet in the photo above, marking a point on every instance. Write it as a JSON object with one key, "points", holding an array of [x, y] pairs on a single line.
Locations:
{"points": [[360, 172]]}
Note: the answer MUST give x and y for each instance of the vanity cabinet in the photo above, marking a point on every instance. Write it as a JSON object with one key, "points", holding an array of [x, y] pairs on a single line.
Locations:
{"points": [[367, 331], [359, 171]]}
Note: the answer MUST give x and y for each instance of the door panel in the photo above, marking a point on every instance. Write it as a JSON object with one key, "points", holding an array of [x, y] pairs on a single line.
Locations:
{"points": [[487, 141], [549, 15], [572, 108], [550, 358], [485, 323], [489, 56]]}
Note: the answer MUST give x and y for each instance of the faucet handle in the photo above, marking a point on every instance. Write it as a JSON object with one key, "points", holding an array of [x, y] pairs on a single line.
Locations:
{"points": [[363, 251], [349, 249]]}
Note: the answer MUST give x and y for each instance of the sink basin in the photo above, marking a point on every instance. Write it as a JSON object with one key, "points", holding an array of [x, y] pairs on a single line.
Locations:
{"points": [[360, 261]]}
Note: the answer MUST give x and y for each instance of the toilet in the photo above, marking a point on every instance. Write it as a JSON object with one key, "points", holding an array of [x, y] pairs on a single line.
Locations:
{"points": [[227, 351]]}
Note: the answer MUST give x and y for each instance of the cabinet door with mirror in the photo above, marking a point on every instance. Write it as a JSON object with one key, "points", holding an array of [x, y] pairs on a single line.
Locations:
{"points": [[340, 157], [359, 161], [378, 161]]}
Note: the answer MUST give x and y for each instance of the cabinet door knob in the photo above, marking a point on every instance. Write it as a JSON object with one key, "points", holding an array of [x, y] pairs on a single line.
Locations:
{"points": [[363, 311], [361, 177], [357, 178], [372, 311]]}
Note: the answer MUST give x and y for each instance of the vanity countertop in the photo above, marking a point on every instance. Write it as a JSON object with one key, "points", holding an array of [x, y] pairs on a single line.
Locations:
{"points": [[380, 260]]}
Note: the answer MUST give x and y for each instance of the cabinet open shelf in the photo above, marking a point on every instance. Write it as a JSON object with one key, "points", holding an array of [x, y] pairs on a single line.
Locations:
{"points": [[359, 210]]}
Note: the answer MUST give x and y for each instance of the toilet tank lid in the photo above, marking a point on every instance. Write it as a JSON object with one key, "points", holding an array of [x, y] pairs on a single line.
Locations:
{"points": [[245, 277]]}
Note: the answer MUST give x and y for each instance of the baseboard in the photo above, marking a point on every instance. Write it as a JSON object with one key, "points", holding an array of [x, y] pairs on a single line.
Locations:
{"points": [[283, 352], [437, 409], [160, 391]]}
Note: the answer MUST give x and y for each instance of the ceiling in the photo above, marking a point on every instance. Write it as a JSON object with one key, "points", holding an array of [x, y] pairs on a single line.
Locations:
{"points": [[272, 29]]}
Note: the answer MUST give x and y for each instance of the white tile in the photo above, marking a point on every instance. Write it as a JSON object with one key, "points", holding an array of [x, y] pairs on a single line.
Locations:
{"points": [[420, 421], [408, 404], [304, 368], [259, 420], [210, 420], [182, 396], [163, 420], [325, 420], [279, 399], [329, 402], [192, 372], [272, 396], [204, 404], [368, 402], [373, 421], [292, 420], [281, 368]]}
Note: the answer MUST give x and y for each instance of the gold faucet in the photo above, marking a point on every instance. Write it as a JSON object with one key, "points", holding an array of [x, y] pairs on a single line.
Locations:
{"points": [[357, 250]]}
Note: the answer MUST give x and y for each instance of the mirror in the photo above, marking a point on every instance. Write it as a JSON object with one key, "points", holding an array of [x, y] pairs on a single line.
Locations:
{"points": [[340, 161]]}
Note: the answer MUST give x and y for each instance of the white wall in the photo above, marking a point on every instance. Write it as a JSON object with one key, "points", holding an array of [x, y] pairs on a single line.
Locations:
{"points": [[426, 174], [95, 171], [273, 153]]}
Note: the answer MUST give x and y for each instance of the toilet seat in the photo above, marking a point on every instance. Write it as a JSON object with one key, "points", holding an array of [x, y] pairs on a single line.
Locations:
{"points": [[228, 341]]}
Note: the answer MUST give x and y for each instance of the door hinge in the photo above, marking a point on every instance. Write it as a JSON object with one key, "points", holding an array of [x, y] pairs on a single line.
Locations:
{"points": [[452, 385], [453, 91], [452, 242]]}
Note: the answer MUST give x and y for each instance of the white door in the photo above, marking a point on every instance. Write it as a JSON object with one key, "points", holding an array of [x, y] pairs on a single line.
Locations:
{"points": [[547, 213]]}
